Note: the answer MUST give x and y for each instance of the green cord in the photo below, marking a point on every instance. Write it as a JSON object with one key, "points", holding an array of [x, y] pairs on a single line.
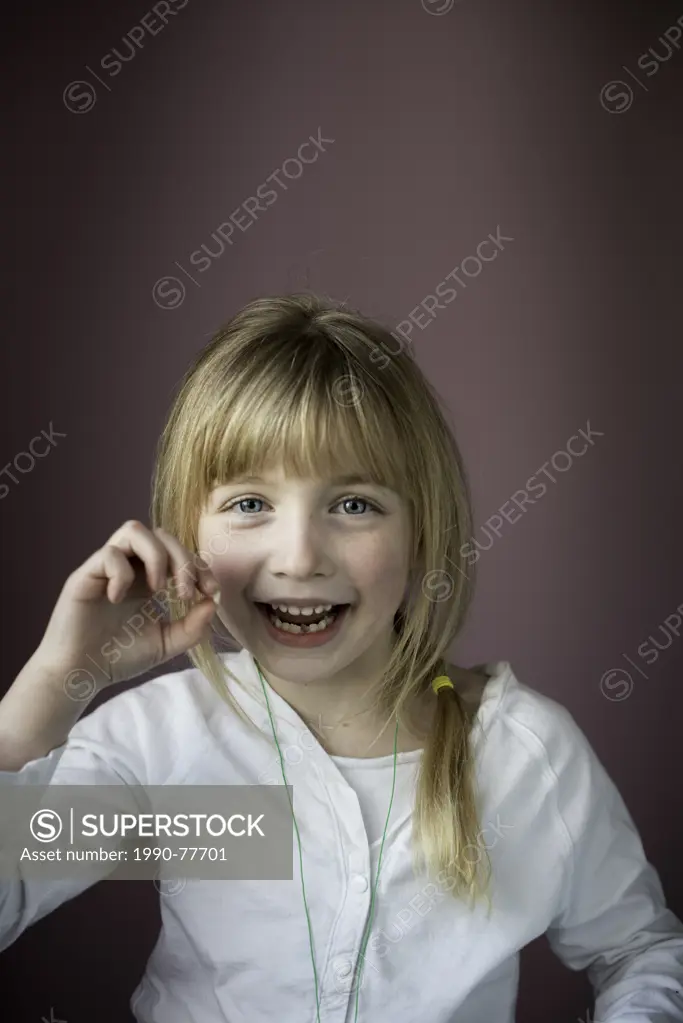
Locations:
{"points": [[301, 863]]}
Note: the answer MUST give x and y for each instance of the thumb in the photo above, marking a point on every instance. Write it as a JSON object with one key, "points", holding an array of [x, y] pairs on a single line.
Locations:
{"points": [[179, 636]]}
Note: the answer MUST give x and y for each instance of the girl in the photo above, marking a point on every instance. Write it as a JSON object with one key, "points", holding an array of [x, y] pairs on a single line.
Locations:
{"points": [[309, 515]]}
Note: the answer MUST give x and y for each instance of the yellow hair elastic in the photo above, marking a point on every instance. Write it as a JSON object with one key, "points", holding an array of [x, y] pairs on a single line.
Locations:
{"points": [[442, 682]]}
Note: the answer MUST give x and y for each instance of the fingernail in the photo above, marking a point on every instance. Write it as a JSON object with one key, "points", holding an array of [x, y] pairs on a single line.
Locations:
{"points": [[217, 597]]}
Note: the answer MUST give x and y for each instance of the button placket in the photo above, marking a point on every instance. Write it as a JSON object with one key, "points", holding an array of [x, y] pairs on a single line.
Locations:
{"points": [[341, 980], [339, 977]]}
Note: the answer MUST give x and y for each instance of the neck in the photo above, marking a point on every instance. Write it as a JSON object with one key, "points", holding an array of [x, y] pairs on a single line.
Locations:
{"points": [[340, 711], [346, 695]]}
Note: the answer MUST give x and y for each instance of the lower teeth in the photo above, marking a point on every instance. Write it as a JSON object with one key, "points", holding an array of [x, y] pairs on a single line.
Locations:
{"points": [[302, 629]]}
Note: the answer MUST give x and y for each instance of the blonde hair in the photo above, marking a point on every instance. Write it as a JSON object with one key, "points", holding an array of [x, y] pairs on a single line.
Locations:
{"points": [[306, 382]]}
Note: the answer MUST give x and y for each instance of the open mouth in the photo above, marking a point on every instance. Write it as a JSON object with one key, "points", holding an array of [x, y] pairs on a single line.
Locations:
{"points": [[302, 621]]}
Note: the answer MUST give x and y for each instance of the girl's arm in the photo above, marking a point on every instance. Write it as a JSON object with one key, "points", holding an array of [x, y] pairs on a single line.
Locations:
{"points": [[613, 920], [100, 749], [113, 594]]}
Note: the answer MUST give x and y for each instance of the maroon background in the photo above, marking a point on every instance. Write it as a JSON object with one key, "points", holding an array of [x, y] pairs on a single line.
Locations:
{"points": [[445, 127]]}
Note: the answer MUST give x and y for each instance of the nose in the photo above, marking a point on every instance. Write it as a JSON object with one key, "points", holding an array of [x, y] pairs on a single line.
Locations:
{"points": [[299, 551]]}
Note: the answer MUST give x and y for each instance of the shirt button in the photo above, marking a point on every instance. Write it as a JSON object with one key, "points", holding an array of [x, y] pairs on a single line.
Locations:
{"points": [[359, 883], [343, 969]]}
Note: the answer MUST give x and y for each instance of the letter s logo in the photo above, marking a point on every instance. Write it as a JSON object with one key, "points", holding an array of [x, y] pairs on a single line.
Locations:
{"points": [[46, 825]]}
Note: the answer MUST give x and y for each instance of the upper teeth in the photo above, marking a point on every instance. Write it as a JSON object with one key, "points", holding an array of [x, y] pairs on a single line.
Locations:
{"points": [[302, 610]]}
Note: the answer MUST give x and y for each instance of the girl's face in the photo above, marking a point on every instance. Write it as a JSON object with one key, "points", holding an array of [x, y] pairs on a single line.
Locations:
{"points": [[309, 543]]}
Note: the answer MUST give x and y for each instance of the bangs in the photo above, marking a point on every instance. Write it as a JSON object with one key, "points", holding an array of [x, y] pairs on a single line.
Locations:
{"points": [[323, 418]]}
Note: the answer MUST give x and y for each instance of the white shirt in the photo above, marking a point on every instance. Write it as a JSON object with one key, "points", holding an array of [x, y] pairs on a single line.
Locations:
{"points": [[567, 861]]}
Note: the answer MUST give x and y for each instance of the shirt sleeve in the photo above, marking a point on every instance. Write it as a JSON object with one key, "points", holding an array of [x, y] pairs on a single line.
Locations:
{"points": [[613, 920], [100, 749]]}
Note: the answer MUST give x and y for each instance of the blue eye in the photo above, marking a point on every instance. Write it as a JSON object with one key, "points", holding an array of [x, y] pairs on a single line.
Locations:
{"points": [[352, 499], [242, 500], [359, 500]]}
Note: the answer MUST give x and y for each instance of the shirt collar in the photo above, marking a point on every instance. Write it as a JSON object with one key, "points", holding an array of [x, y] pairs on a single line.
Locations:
{"points": [[501, 681]]}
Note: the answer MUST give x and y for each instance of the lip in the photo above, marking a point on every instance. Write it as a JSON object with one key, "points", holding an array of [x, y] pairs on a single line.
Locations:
{"points": [[303, 640], [303, 602]]}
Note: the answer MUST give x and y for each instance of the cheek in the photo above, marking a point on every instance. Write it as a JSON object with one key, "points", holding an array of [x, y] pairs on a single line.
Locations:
{"points": [[232, 574], [217, 546], [379, 567]]}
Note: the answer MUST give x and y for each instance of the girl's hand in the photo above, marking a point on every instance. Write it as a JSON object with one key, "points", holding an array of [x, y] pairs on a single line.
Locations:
{"points": [[105, 612]]}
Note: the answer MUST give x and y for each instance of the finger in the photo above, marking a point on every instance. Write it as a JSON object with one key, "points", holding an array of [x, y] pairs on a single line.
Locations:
{"points": [[120, 571], [192, 567], [134, 538], [108, 571], [180, 635]]}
